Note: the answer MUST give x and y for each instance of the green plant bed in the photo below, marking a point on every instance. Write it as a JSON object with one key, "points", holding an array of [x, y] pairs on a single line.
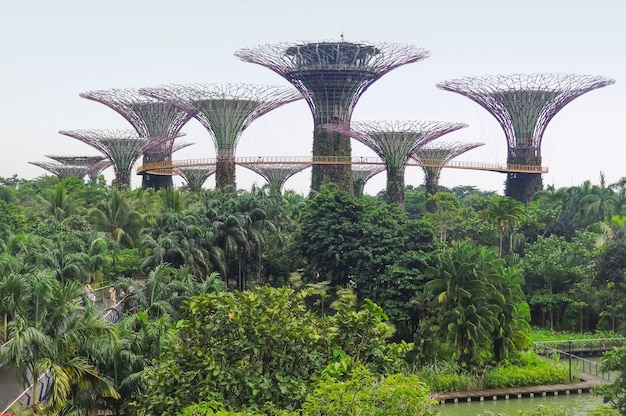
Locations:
{"points": [[528, 371], [544, 335]]}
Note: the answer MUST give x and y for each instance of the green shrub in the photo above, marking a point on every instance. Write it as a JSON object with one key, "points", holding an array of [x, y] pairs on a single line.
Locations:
{"points": [[515, 376], [363, 393]]}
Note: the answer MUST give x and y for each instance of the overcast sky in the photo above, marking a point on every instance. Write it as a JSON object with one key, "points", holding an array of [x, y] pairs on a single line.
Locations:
{"points": [[52, 51]]}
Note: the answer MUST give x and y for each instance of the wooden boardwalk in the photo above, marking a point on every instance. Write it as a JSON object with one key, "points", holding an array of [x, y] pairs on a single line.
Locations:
{"points": [[586, 385]]}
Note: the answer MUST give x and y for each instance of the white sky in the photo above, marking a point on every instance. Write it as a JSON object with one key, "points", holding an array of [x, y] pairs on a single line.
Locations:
{"points": [[52, 51]]}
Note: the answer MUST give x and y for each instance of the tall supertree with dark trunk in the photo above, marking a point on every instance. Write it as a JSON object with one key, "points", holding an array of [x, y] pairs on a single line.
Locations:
{"points": [[195, 176], [276, 174], [121, 147], [524, 105], [225, 110], [332, 76], [361, 174], [433, 157], [151, 119], [395, 142]]}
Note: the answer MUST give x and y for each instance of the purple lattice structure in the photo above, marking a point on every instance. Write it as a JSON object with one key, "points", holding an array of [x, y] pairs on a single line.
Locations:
{"points": [[361, 174], [433, 158], [225, 110], [121, 147], [332, 76], [395, 142], [276, 174], [62, 170], [151, 119], [195, 176], [523, 105]]}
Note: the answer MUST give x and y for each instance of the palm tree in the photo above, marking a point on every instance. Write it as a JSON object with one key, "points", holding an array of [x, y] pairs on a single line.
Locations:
{"points": [[601, 203], [117, 217], [59, 203], [505, 212], [55, 333], [461, 287]]}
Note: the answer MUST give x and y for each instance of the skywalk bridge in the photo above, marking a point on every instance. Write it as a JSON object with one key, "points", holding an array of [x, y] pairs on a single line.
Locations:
{"points": [[169, 167]]}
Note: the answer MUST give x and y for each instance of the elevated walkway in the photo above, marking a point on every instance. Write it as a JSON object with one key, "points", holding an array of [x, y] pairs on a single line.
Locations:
{"points": [[169, 167]]}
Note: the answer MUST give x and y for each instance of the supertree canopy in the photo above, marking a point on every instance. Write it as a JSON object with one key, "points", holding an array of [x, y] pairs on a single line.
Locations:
{"points": [[195, 176], [276, 174], [395, 142], [433, 157], [524, 105], [121, 147], [332, 76], [225, 110], [62, 170], [151, 119], [361, 174]]}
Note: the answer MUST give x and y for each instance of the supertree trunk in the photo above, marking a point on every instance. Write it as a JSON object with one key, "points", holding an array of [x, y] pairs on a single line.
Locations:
{"points": [[225, 168], [395, 186], [522, 186], [331, 143], [431, 183], [155, 182]]}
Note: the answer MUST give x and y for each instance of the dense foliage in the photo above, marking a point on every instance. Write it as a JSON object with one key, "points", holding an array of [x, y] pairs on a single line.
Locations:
{"points": [[213, 278]]}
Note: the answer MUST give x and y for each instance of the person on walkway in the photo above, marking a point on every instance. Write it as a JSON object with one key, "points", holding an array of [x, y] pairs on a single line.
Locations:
{"points": [[112, 295], [90, 293]]}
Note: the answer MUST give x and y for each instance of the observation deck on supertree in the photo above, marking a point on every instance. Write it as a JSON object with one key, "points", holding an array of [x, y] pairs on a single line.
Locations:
{"points": [[277, 174], [121, 147], [361, 174], [151, 119], [225, 110], [332, 76], [523, 105], [394, 142], [433, 156]]}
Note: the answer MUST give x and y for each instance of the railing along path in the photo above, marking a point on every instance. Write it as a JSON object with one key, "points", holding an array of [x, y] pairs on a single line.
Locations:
{"points": [[168, 167], [111, 315], [569, 350]]}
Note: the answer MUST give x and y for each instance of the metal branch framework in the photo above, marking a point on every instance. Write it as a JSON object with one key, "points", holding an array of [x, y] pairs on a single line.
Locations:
{"points": [[524, 104], [332, 76], [225, 110], [277, 174], [361, 174], [75, 166], [434, 155], [121, 147], [195, 176], [151, 118], [395, 142], [62, 170]]}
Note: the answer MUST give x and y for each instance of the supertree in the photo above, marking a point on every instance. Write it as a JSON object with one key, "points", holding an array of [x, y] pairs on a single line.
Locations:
{"points": [[195, 176], [433, 157], [276, 174], [361, 174], [523, 105], [94, 165], [395, 142], [225, 110], [63, 171], [121, 147], [151, 119], [332, 76]]}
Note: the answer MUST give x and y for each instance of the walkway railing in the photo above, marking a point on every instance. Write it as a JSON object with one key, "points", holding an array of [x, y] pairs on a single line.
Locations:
{"points": [[566, 349], [168, 167], [110, 315]]}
